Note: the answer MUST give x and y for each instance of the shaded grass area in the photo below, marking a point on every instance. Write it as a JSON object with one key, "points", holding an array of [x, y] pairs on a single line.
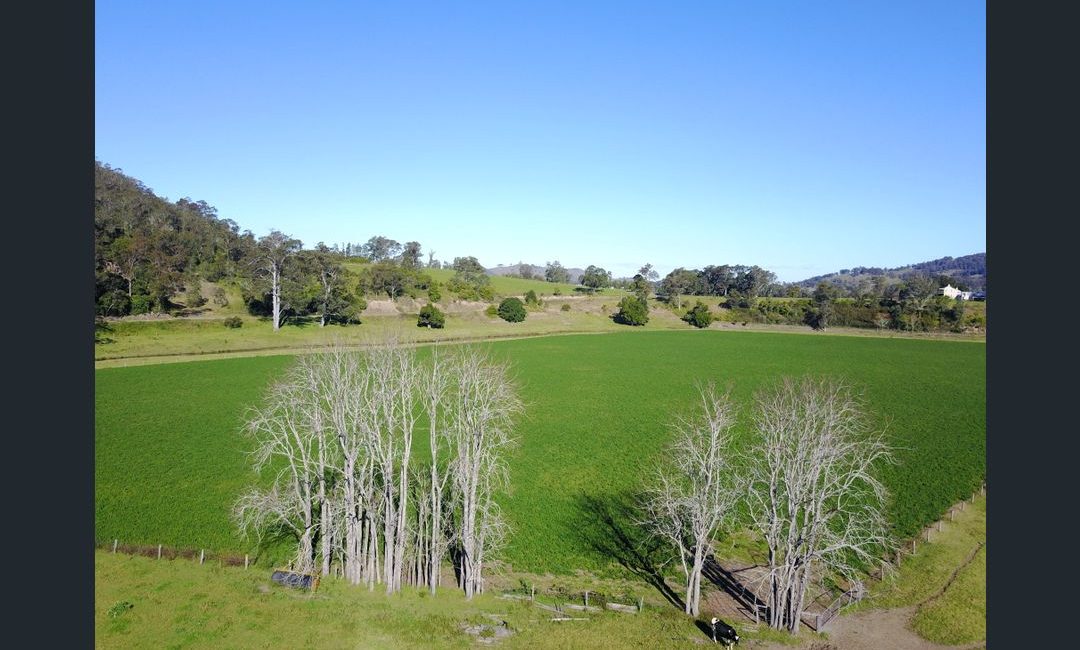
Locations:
{"points": [[169, 459], [959, 615], [178, 603]]}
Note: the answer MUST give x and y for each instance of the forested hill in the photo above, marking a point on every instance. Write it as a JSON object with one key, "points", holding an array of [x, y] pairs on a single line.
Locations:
{"points": [[969, 270], [146, 246]]}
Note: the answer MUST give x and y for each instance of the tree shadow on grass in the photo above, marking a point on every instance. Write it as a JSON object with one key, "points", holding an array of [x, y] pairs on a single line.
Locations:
{"points": [[610, 526], [101, 331]]}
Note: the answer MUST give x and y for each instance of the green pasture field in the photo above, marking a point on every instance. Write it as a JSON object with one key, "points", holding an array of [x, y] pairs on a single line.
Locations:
{"points": [[170, 459], [135, 339], [949, 613], [959, 615], [179, 603]]}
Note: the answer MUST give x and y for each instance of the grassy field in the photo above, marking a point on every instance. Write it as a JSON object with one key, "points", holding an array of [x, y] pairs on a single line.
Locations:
{"points": [[179, 603], [169, 458], [959, 615], [950, 613], [133, 339], [924, 574]]}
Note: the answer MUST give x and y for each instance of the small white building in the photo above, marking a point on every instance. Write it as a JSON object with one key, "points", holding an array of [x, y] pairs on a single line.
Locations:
{"points": [[950, 291]]}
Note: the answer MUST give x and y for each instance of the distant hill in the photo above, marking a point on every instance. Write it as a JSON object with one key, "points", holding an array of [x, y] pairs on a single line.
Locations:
{"points": [[537, 271], [969, 270]]}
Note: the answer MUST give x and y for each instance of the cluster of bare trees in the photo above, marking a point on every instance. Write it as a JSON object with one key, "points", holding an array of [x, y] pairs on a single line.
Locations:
{"points": [[337, 431], [804, 482]]}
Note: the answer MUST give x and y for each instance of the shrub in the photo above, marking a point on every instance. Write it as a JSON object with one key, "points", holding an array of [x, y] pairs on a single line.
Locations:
{"points": [[140, 303], [512, 310], [433, 293], [219, 297], [430, 316], [233, 322], [565, 307], [119, 608], [492, 311], [632, 311], [699, 316], [114, 303], [558, 292], [531, 299], [195, 297]]}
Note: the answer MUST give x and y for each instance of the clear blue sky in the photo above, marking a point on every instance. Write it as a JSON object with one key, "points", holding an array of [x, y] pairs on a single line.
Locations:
{"points": [[804, 137]]}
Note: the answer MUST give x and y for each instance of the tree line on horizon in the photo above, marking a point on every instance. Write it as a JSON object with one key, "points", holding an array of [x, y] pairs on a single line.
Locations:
{"points": [[152, 256]]}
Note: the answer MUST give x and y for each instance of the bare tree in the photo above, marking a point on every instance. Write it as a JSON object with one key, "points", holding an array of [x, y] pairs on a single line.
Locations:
{"points": [[481, 415], [339, 428], [695, 491], [289, 433], [434, 387], [813, 495]]}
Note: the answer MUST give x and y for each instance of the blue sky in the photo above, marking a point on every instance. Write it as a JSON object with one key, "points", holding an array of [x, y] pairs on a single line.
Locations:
{"points": [[804, 137]]}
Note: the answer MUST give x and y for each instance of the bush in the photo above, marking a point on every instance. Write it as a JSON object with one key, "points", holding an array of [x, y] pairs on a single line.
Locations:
{"points": [[219, 297], [565, 307], [632, 311], [140, 303], [194, 297], [512, 310], [430, 316], [433, 293], [492, 311], [531, 299], [233, 322], [114, 303], [119, 608], [699, 316]]}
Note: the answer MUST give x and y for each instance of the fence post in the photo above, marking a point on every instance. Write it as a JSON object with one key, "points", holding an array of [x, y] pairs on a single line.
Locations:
{"points": [[640, 603], [586, 599], [114, 543], [159, 551], [913, 547], [532, 589], [245, 560], [939, 525], [928, 534], [202, 555], [952, 514]]}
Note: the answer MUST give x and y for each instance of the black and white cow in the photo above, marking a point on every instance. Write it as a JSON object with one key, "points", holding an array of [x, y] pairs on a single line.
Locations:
{"points": [[723, 633]]}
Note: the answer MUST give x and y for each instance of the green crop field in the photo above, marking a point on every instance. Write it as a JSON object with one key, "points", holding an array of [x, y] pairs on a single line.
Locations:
{"points": [[170, 460]]}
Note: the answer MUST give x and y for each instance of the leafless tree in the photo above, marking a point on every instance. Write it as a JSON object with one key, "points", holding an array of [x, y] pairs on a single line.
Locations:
{"points": [[695, 490], [340, 426], [812, 491], [482, 407], [289, 432], [434, 386]]}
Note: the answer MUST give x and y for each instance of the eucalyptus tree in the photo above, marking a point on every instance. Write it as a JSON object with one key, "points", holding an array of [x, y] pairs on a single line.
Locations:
{"points": [[556, 272], [271, 256]]}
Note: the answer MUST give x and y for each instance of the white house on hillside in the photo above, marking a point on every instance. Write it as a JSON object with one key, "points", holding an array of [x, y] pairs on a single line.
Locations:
{"points": [[950, 291]]}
